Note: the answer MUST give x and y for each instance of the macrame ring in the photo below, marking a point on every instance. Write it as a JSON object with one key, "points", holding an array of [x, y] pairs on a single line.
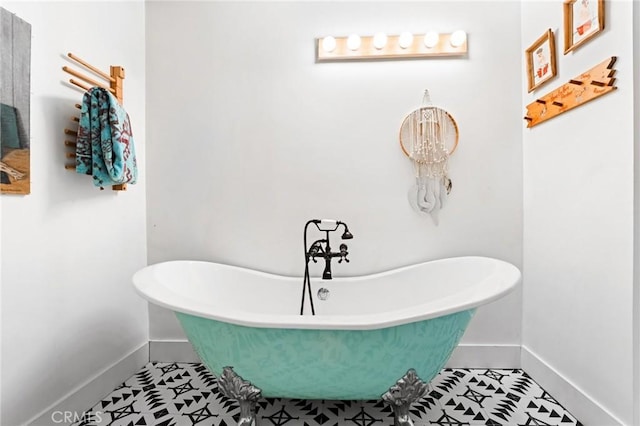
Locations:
{"points": [[455, 125]]}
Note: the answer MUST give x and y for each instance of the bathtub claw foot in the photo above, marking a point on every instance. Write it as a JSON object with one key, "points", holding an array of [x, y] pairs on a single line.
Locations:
{"points": [[407, 390], [235, 387]]}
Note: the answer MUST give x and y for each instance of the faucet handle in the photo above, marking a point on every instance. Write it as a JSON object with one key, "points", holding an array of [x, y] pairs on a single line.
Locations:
{"points": [[314, 250], [344, 251]]}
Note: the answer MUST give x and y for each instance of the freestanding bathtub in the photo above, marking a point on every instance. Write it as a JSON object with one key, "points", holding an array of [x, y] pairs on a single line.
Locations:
{"points": [[367, 333]]}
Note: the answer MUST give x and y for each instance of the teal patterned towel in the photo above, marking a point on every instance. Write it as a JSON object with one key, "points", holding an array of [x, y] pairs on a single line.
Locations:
{"points": [[105, 147]]}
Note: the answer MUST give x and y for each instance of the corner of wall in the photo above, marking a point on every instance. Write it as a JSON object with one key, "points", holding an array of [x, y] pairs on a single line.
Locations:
{"points": [[581, 405]]}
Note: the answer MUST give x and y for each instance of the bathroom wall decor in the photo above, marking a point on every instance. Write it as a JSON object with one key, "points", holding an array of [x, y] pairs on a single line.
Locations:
{"points": [[541, 60], [383, 46], [583, 19], [15, 94], [589, 85], [111, 82], [428, 136]]}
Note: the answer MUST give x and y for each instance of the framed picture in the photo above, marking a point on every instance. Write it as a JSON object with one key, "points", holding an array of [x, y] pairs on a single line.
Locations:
{"points": [[583, 19], [15, 107], [541, 60]]}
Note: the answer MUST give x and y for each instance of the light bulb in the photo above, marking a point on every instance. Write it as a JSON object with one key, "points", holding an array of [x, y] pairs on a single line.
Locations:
{"points": [[431, 39], [405, 40], [458, 38], [379, 40], [353, 42], [329, 44]]}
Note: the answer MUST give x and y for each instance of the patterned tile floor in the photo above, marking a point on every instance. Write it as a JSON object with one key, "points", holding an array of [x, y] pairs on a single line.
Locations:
{"points": [[183, 394]]}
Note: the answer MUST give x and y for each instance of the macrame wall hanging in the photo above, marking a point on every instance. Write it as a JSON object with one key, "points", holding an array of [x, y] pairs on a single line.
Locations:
{"points": [[428, 136]]}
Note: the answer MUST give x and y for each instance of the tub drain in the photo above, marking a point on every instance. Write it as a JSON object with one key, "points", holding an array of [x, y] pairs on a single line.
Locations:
{"points": [[323, 294]]}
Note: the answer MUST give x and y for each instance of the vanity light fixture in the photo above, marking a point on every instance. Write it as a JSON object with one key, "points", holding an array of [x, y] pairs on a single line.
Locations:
{"points": [[405, 40], [379, 40], [329, 44], [431, 39], [383, 46], [458, 38], [354, 41]]}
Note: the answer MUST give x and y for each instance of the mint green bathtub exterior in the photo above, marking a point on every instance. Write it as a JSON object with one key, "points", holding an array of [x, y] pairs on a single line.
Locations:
{"points": [[326, 364]]}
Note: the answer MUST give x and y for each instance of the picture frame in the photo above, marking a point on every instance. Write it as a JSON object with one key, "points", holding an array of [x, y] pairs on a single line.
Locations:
{"points": [[15, 104], [541, 60], [583, 20]]}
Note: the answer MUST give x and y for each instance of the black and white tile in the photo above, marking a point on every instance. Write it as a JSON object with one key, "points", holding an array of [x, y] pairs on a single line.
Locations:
{"points": [[186, 394]]}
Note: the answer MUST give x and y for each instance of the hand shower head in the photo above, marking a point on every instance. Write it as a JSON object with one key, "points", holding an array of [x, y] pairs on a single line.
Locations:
{"points": [[346, 235]]}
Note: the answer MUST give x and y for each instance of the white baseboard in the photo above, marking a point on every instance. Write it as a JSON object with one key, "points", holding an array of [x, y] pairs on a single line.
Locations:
{"points": [[583, 407], [172, 351], [485, 356], [86, 395]]}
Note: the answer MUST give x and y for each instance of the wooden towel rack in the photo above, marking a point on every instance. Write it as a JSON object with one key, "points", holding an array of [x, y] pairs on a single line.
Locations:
{"points": [[111, 82]]}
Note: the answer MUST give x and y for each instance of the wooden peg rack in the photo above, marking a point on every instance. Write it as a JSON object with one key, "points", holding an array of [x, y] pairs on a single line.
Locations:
{"points": [[111, 82], [587, 86]]}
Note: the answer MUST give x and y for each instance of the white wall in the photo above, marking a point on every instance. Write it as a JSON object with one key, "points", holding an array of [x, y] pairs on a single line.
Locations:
{"points": [[69, 250], [578, 220], [250, 138]]}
